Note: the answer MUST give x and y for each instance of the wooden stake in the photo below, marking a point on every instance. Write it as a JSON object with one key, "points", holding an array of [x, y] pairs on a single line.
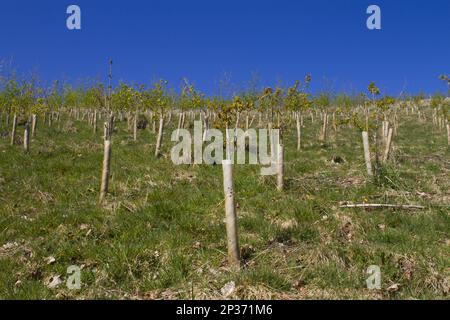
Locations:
{"points": [[386, 131], [388, 146], [183, 120], [135, 125], [111, 125], [106, 165], [280, 168], [230, 214], [129, 121], [206, 126], [251, 121], [26, 138], [13, 132], [365, 137], [94, 122], [448, 133], [334, 122], [299, 133], [382, 205], [160, 135], [180, 121], [33, 125], [323, 136]]}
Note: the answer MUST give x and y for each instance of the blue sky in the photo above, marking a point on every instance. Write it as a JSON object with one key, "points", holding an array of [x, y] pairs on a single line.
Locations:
{"points": [[279, 40]]}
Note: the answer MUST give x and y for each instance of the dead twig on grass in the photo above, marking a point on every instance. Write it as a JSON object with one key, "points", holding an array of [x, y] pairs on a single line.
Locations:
{"points": [[382, 205]]}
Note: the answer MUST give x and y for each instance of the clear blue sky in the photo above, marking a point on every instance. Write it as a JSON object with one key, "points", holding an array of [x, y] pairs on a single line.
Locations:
{"points": [[281, 40]]}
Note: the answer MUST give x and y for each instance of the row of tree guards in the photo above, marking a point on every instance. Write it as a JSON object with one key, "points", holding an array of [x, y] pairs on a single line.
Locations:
{"points": [[94, 116], [382, 155], [26, 133], [382, 138]]}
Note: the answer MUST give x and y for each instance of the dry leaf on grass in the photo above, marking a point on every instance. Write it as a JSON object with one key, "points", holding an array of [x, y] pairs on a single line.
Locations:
{"points": [[8, 248], [53, 281], [393, 288], [228, 289], [50, 260]]}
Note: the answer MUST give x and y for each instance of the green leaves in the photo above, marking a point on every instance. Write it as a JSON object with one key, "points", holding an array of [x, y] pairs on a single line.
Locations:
{"points": [[322, 101], [296, 100], [373, 89], [159, 96], [124, 97], [191, 99], [385, 103]]}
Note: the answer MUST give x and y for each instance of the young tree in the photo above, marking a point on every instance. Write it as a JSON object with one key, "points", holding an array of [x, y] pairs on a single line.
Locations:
{"points": [[297, 102], [161, 102], [322, 101]]}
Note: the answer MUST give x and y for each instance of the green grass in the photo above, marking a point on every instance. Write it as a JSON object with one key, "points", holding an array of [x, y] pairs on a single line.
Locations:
{"points": [[161, 232]]}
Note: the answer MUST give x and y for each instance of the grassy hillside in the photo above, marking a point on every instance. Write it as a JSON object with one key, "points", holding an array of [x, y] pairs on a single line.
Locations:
{"points": [[161, 233]]}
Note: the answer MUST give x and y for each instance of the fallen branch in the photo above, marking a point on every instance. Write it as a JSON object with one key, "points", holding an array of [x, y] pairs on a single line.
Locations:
{"points": [[379, 205]]}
